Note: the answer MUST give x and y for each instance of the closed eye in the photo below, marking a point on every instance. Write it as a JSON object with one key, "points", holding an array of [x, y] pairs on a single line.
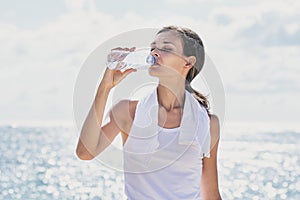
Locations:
{"points": [[162, 49], [167, 49]]}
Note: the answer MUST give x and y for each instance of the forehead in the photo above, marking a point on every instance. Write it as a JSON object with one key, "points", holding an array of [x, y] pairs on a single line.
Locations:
{"points": [[168, 37]]}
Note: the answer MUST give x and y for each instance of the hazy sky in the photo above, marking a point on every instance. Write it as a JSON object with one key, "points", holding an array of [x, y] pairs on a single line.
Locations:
{"points": [[255, 46]]}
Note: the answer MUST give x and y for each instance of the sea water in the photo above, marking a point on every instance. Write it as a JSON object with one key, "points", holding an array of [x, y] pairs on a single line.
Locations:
{"points": [[39, 162]]}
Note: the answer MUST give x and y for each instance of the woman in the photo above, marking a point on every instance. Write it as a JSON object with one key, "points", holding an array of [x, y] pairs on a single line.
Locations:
{"points": [[179, 146]]}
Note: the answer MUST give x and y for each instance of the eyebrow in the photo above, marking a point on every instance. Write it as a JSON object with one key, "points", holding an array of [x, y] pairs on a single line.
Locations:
{"points": [[165, 42]]}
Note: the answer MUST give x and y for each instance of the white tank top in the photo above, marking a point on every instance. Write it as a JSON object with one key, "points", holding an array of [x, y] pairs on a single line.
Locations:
{"points": [[161, 163]]}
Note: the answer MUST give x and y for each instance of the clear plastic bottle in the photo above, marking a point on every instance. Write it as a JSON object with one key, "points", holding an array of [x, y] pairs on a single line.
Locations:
{"points": [[138, 59]]}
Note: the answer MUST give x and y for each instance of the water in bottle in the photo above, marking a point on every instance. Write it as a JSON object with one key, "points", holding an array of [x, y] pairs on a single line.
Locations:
{"points": [[138, 59]]}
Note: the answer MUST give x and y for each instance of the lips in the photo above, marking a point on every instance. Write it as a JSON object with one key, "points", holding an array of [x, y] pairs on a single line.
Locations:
{"points": [[156, 65]]}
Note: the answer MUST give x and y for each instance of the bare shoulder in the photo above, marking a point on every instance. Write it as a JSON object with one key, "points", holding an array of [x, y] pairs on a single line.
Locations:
{"points": [[214, 129], [214, 122], [123, 114]]}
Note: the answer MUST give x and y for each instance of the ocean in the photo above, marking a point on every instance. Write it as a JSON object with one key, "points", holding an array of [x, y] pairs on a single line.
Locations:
{"points": [[39, 162]]}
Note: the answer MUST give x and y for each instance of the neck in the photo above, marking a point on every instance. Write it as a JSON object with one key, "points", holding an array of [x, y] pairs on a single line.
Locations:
{"points": [[171, 96]]}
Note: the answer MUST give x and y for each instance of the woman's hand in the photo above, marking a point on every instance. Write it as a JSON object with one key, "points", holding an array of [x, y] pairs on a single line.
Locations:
{"points": [[112, 77]]}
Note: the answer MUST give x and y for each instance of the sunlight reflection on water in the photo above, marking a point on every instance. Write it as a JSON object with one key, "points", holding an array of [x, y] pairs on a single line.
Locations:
{"points": [[40, 163]]}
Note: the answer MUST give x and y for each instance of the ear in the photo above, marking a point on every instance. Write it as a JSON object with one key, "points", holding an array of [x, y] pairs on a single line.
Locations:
{"points": [[191, 61]]}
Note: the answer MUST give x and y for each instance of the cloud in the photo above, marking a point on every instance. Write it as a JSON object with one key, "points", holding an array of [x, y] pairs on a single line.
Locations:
{"points": [[259, 47], [255, 48], [38, 67], [268, 24], [185, 2], [80, 5]]}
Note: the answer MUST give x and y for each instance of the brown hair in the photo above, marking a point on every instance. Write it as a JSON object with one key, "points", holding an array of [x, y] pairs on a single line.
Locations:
{"points": [[192, 46]]}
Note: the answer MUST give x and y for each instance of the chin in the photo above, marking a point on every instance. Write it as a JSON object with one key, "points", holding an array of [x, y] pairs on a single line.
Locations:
{"points": [[151, 73], [153, 70]]}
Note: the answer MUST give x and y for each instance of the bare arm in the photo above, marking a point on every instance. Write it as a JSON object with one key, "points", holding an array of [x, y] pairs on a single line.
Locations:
{"points": [[94, 137], [209, 181]]}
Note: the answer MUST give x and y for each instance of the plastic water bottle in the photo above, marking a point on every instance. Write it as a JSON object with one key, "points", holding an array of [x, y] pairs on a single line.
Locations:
{"points": [[138, 59]]}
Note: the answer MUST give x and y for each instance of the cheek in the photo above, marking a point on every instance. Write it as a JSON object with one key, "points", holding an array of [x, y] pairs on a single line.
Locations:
{"points": [[169, 61], [164, 71], [173, 63]]}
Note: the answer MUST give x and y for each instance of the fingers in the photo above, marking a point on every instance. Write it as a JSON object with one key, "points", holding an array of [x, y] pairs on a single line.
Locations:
{"points": [[132, 49], [116, 69], [118, 55], [119, 75], [124, 49], [128, 71]]}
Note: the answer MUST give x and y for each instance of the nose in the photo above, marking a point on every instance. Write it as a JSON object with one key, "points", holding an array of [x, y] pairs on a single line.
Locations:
{"points": [[155, 53]]}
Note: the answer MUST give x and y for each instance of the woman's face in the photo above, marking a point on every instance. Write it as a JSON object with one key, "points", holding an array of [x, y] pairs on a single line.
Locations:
{"points": [[167, 48]]}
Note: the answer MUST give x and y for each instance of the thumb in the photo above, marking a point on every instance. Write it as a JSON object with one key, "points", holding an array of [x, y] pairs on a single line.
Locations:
{"points": [[128, 71]]}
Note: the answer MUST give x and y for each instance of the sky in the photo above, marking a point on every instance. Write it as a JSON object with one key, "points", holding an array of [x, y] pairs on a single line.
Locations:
{"points": [[255, 46]]}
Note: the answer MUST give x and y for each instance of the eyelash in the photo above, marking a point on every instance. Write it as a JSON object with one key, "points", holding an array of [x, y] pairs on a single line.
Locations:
{"points": [[163, 49]]}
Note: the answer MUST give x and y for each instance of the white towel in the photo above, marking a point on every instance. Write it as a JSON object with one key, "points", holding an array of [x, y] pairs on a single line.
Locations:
{"points": [[142, 143]]}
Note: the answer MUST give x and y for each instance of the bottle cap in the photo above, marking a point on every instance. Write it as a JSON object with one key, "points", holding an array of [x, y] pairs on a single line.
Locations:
{"points": [[151, 60]]}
